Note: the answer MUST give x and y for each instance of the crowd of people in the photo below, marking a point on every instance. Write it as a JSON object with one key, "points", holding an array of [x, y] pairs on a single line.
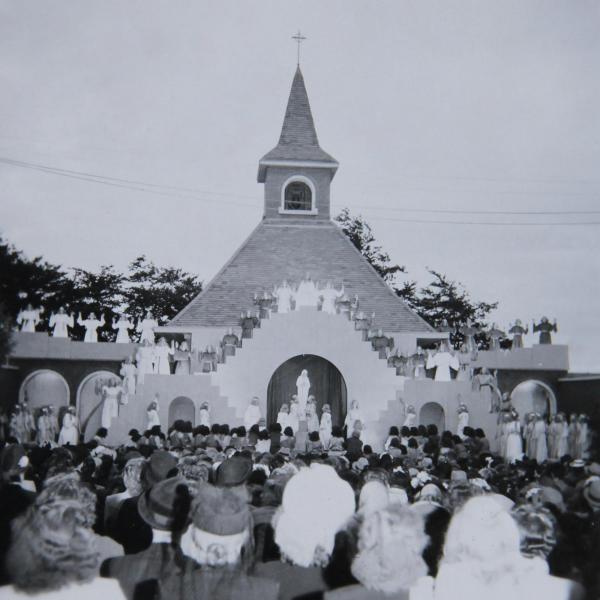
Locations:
{"points": [[216, 512]]}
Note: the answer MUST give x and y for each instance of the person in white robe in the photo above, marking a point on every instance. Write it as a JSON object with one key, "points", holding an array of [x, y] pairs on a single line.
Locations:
{"points": [[352, 416], [312, 418], [294, 414], [53, 423], [284, 296], [183, 359], [29, 318], [28, 424], [307, 294], [555, 432], [146, 328], [302, 390], [91, 325], [110, 405], [329, 297], [252, 414], [443, 361], [539, 435], [283, 416], [514, 442], [162, 351], [128, 373], [152, 418], [410, 419], [122, 327], [463, 420], [60, 322], [69, 432], [582, 438], [145, 360], [204, 414], [325, 426]]}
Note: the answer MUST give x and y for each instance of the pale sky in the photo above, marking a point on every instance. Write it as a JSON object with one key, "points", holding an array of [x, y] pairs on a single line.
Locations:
{"points": [[462, 105]]}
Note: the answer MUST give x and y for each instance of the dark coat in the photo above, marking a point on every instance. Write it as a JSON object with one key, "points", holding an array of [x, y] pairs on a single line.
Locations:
{"points": [[130, 530], [294, 581]]}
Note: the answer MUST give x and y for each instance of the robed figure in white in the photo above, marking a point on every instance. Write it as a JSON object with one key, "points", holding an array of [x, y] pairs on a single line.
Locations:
{"points": [[29, 318], [325, 426], [353, 416], [110, 406], [152, 418], [330, 296], [283, 416], [463, 421], [284, 296], [146, 328], [60, 322], [162, 351], [294, 415], [442, 362], [145, 360], [514, 442], [204, 414], [91, 325], [44, 433], [302, 389], [128, 372], [122, 326], [411, 417], [69, 432], [307, 294], [252, 414]]}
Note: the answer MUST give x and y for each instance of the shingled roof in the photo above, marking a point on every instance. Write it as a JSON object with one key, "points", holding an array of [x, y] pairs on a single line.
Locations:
{"points": [[278, 250], [298, 140]]}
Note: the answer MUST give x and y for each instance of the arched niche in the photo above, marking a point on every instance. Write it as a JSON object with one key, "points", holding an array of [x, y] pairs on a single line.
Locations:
{"points": [[326, 384], [533, 396], [432, 413], [45, 388], [182, 408]]}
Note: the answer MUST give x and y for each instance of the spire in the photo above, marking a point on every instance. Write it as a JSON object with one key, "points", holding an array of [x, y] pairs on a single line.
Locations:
{"points": [[298, 140]]}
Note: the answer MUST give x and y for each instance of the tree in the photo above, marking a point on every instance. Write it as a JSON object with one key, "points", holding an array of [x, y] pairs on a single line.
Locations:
{"points": [[163, 290], [6, 328], [442, 300], [361, 235]]}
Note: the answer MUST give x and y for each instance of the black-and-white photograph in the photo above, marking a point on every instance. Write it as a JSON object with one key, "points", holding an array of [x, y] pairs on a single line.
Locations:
{"points": [[298, 300]]}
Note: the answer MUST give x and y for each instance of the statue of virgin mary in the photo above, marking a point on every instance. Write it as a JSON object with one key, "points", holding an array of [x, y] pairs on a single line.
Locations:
{"points": [[302, 387]]}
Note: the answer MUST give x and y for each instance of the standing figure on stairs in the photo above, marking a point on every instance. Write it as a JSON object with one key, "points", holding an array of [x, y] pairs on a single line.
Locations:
{"points": [[204, 414], [29, 318], [302, 390], [329, 296], [264, 302], [495, 335], [465, 358], [128, 373], [443, 362], [145, 360], [252, 414], [411, 417], [162, 352], [91, 325], [545, 328], [69, 433], [469, 331], [312, 418], [146, 328], [353, 416], [60, 322], [183, 359], [354, 304], [463, 420], [488, 380], [325, 426], [518, 331], [208, 360], [248, 321], [122, 326], [343, 304], [363, 324], [307, 294], [110, 406], [418, 363], [152, 418], [229, 343], [283, 296], [381, 344]]}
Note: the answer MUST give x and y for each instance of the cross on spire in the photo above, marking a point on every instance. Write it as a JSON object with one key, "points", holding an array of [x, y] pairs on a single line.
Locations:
{"points": [[299, 38]]}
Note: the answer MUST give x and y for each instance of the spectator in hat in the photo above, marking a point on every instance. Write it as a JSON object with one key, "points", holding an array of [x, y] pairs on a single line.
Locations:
{"points": [[233, 472], [164, 508], [219, 542], [131, 531], [132, 480]]}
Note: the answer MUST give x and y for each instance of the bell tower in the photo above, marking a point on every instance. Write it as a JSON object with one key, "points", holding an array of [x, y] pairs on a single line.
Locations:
{"points": [[297, 173]]}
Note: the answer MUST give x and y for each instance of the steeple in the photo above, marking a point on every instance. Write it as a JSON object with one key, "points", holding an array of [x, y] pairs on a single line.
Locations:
{"points": [[298, 143]]}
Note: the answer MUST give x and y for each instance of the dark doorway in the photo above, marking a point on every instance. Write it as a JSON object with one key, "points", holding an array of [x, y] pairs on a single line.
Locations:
{"points": [[326, 384]]}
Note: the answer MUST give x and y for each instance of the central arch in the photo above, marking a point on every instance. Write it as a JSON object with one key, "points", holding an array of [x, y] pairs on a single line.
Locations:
{"points": [[326, 383]]}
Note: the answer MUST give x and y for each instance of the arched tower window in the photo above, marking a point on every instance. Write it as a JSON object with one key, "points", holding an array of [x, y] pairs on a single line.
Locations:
{"points": [[298, 196]]}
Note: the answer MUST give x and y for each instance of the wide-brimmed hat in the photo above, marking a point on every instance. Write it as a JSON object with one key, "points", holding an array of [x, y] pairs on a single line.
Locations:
{"points": [[220, 511], [156, 505], [591, 492], [233, 471], [160, 466]]}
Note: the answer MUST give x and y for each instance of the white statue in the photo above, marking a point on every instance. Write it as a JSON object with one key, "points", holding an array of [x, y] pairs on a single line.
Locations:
{"points": [[59, 322], [284, 297], [443, 361], [307, 293], [252, 414], [146, 328], [330, 296], [204, 414], [69, 433], [123, 325], [29, 318], [302, 389], [91, 325], [128, 372], [145, 360], [110, 407], [162, 351], [152, 418]]}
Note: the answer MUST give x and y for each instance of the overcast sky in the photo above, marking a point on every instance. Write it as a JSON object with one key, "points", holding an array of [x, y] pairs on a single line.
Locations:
{"points": [[450, 105]]}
